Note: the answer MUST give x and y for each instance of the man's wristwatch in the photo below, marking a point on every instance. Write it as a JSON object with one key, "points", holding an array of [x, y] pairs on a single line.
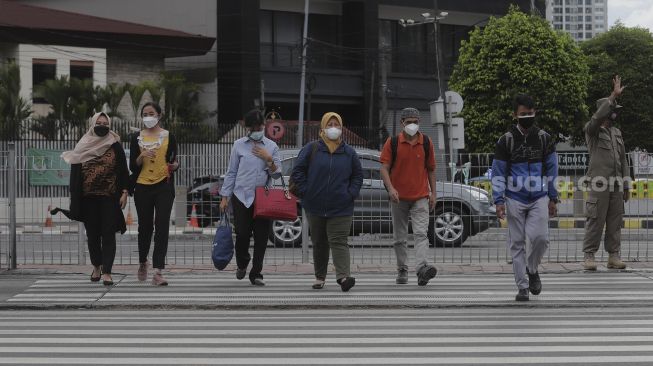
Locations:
{"points": [[554, 200]]}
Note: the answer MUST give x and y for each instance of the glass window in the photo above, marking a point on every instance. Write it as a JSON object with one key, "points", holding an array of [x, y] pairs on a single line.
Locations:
{"points": [[82, 70], [326, 53], [287, 38], [266, 38], [410, 50], [42, 70]]}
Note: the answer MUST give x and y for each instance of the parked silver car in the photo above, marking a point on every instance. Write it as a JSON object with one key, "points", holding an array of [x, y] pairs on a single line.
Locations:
{"points": [[461, 210]]}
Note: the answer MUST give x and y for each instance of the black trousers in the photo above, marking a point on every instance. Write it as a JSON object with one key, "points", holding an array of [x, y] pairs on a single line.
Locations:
{"points": [[245, 225], [153, 206], [99, 215]]}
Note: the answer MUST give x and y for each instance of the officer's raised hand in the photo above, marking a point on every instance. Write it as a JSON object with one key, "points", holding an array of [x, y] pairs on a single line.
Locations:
{"points": [[617, 89]]}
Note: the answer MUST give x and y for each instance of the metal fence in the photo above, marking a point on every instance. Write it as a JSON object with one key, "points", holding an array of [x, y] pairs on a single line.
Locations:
{"points": [[462, 228]]}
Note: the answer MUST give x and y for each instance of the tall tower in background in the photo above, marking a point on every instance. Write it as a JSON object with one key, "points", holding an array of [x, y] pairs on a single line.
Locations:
{"points": [[582, 19]]}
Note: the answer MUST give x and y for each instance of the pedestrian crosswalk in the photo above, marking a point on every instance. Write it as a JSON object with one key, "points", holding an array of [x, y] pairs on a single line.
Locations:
{"points": [[222, 289], [397, 336]]}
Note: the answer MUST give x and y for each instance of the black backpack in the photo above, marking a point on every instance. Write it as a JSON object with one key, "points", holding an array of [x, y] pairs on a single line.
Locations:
{"points": [[394, 142]]}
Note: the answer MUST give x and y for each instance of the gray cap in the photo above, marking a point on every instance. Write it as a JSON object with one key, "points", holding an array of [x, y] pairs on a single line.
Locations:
{"points": [[409, 113]]}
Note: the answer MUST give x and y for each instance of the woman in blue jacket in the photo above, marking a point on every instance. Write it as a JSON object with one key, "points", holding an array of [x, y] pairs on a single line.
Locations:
{"points": [[328, 178]]}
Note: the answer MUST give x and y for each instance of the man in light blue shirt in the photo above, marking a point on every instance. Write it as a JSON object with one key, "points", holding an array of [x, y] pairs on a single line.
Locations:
{"points": [[254, 158]]}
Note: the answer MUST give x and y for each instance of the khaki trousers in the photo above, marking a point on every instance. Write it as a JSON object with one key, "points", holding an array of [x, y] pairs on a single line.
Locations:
{"points": [[603, 209]]}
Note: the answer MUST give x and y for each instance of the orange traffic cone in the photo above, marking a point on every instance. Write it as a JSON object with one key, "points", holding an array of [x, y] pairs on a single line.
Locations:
{"points": [[48, 218], [129, 220], [193, 218]]}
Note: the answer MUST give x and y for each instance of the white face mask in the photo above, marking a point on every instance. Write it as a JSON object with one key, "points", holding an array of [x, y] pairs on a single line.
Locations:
{"points": [[333, 133], [411, 129], [150, 122], [256, 135]]}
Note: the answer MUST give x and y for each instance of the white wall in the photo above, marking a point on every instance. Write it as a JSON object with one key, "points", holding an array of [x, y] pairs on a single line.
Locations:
{"points": [[63, 54]]}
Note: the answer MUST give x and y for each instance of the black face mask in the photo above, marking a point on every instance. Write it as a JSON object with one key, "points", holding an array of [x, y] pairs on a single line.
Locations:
{"points": [[101, 130], [526, 122]]}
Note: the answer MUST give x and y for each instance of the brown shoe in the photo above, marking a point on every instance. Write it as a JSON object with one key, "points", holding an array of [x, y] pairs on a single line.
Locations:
{"points": [[589, 264], [106, 279], [614, 262], [158, 280], [96, 274], [142, 272]]}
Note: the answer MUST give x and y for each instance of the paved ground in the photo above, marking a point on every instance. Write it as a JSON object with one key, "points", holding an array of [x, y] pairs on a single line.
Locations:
{"points": [[289, 287], [516, 336]]}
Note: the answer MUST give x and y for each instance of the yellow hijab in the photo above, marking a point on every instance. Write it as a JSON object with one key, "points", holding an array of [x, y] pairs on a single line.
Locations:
{"points": [[331, 144]]}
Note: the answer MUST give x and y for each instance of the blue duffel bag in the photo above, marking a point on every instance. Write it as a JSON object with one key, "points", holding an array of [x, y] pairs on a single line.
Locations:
{"points": [[223, 244]]}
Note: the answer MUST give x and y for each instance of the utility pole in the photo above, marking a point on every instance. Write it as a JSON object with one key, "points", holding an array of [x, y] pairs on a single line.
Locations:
{"points": [[370, 122], [302, 87], [438, 67], [384, 91]]}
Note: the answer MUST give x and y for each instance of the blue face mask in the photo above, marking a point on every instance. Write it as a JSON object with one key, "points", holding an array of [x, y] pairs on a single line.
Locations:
{"points": [[256, 135]]}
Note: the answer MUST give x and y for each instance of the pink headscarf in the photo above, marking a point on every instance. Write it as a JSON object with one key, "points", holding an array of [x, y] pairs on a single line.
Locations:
{"points": [[91, 146]]}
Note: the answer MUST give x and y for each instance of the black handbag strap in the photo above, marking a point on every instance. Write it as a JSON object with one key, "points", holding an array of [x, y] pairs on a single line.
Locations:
{"points": [[268, 184]]}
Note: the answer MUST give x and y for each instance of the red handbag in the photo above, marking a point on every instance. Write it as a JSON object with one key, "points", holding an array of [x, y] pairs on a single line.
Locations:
{"points": [[275, 203]]}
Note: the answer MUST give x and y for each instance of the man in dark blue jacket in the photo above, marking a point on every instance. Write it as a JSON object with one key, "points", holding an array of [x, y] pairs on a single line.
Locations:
{"points": [[524, 171]]}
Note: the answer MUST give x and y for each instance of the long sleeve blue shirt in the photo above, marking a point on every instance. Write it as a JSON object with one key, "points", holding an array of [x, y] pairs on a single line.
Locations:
{"points": [[247, 171]]}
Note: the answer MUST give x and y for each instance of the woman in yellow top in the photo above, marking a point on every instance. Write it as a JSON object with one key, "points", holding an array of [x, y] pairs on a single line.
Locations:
{"points": [[152, 160]]}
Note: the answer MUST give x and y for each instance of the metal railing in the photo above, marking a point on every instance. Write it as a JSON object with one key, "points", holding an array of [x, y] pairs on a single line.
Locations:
{"points": [[463, 226]]}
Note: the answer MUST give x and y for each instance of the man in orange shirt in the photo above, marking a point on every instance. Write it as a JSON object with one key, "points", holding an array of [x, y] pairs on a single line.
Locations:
{"points": [[408, 171]]}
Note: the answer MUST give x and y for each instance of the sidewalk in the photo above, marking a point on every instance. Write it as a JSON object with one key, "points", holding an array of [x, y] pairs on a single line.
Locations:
{"points": [[289, 286]]}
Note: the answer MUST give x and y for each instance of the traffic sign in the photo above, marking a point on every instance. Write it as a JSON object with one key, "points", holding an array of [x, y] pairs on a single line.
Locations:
{"points": [[275, 130], [454, 102], [457, 132]]}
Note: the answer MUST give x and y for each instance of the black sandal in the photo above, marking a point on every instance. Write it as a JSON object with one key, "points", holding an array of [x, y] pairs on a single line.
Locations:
{"points": [[95, 279], [346, 283], [318, 284]]}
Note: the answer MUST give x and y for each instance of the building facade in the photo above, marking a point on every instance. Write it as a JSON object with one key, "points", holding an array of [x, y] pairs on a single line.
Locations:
{"points": [[361, 62], [582, 19]]}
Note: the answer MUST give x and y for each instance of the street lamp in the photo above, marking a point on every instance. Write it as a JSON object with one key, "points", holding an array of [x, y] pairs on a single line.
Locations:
{"points": [[435, 20]]}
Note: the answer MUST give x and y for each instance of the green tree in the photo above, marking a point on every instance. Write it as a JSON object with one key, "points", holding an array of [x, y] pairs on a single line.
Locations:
{"points": [[83, 101], [181, 99], [13, 108], [136, 92], [57, 93], [111, 95], [627, 52], [519, 53]]}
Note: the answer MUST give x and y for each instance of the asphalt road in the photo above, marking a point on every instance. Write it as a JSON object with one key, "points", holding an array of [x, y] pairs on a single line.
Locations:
{"points": [[566, 336]]}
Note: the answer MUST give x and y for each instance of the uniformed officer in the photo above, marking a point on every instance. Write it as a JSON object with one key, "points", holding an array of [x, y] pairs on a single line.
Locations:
{"points": [[607, 180]]}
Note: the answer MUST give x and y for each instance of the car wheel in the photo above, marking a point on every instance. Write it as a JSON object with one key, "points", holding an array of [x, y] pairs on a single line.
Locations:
{"points": [[286, 234], [450, 227]]}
